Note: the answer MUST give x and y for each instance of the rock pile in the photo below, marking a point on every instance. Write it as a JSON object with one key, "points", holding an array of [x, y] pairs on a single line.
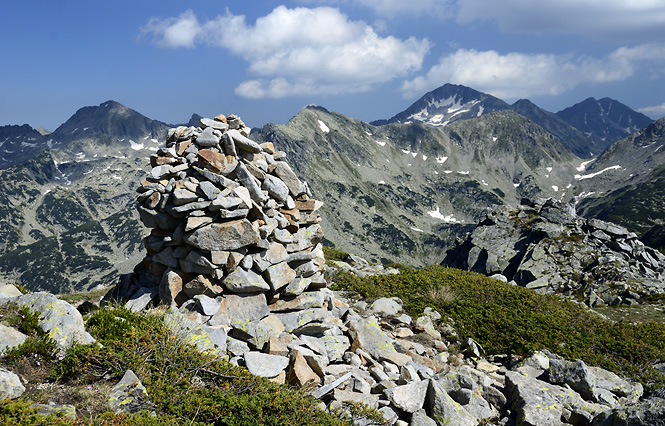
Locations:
{"points": [[344, 351], [545, 246], [228, 217]]}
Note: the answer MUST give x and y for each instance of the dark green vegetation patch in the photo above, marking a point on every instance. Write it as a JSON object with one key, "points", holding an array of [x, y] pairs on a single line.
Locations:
{"points": [[515, 320]]}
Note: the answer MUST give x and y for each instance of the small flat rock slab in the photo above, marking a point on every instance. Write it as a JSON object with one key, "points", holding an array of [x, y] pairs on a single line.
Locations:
{"points": [[65, 410], [10, 338], [265, 365], [129, 395], [251, 307], [10, 385], [242, 281], [409, 397], [224, 236]]}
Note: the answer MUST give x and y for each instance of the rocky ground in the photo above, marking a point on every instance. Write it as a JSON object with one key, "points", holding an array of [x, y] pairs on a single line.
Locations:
{"points": [[545, 246], [336, 349]]}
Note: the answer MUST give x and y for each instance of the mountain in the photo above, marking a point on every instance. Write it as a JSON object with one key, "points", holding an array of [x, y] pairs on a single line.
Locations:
{"points": [[68, 221], [603, 121], [446, 104], [402, 192], [569, 135], [18, 142], [628, 185]]}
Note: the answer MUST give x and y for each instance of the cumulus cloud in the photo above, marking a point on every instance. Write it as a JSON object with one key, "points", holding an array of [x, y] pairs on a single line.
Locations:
{"points": [[655, 112], [299, 51], [519, 75], [612, 19]]}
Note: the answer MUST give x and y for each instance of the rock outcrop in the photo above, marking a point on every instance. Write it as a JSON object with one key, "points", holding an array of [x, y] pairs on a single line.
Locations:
{"points": [[545, 246], [228, 217]]}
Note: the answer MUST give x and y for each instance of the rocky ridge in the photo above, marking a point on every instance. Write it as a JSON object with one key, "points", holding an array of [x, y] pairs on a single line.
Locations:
{"points": [[544, 245], [339, 350]]}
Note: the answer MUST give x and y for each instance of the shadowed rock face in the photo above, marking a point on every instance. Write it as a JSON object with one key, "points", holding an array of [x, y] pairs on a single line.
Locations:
{"points": [[545, 246]]}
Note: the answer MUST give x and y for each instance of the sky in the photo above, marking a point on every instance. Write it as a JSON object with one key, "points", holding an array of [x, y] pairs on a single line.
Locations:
{"points": [[368, 59]]}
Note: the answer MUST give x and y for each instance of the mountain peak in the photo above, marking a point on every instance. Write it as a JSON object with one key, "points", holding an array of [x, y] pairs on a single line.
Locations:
{"points": [[446, 104]]}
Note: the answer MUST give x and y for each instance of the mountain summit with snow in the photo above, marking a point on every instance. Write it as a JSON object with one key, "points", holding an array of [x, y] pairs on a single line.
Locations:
{"points": [[448, 103]]}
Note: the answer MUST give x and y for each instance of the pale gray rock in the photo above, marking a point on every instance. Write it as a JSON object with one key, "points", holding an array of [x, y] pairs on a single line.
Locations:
{"points": [[297, 286], [323, 390], [276, 188], [279, 275], [410, 397], [129, 395], [10, 338], [8, 293], [368, 336], [444, 409], [142, 298], [224, 236], [210, 190], [251, 307], [214, 124], [265, 365], [243, 143], [420, 418], [286, 174], [60, 320], [242, 281], [207, 305], [207, 138], [386, 306], [203, 337], [249, 181], [646, 412], [65, 410], [10, 385]]}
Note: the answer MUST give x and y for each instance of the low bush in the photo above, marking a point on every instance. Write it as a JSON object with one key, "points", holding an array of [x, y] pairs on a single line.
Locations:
{"points": [[514, 320]]}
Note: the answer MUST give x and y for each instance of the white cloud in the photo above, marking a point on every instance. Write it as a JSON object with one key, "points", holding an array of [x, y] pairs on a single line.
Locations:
{"points": [[299, 51], [174, 32], [613, 19], [656, 111], [519, 75]]}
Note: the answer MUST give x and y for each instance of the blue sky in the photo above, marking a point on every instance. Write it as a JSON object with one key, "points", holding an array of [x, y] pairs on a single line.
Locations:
{"points": [[368, 59]]}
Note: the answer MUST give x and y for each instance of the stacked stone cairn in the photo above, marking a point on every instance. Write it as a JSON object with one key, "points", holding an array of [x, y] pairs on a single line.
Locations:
{"points": [[234, 252], [228, 216]]}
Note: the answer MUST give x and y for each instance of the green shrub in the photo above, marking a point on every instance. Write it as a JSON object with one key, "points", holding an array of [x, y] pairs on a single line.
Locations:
{"points": [[508, 319]]}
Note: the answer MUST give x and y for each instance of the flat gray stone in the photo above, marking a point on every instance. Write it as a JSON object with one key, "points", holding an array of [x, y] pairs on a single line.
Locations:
{"points": [[60, 320], [10, 385], [10, 338], [409, 397], [243, 143], [242, 281], [209, 122], [224, 236], [286, 174], [443, 408], [386, 306], [204, 338], [207, 138], [129, 395], [279, 275], [142, 298], [368, 336], [207, 305], [276, 188], [249, 181], [251, 307], [265, 365]]}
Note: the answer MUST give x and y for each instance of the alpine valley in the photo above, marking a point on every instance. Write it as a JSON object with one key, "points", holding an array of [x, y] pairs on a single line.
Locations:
{"points": [[396, 190]]}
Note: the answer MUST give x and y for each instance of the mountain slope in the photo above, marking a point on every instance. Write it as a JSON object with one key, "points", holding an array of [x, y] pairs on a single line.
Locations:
{"points": [[603, 121], [17, 143], [68, 220], [629, 186], [446, 104], [403, 191], [570, 136]]}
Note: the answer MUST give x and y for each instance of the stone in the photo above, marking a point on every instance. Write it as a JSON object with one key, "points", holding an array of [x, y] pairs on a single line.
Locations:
{"points": [[207, 305], [251, 307], [223, 236], [129, 395], [248, 181], [265, 365], [204, 338], [65, 410], [279, 275], [243, 143], [309, 300], [420, 418], [286, 174], [256, 333], [214, 124], [170, 289], [201, 285], [217, 163], [300, 374], [386, 306], [242, 281], [370, 400], [142, 298], [297, 286], [60, 320], [368, 336], [10, 338], [10, 385], [276, 188], [646, 412], [410, 397], [8, 293], [445, 410], [323, 390], [207, 138], [194, 222]]}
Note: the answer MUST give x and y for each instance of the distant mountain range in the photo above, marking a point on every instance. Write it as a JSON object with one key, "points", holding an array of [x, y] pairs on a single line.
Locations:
{"points": [[587, 127], [397, 190]]}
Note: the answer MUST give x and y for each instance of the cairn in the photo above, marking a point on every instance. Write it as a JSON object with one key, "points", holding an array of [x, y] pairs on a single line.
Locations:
{"points": [[227, 216]]}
